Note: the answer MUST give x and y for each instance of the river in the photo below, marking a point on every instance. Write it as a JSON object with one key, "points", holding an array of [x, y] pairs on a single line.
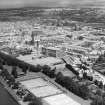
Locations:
{"points": [[5, 97]]}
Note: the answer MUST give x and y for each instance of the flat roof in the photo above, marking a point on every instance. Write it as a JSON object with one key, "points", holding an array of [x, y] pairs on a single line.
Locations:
{"points": [[33, 83], [41, 88], [45, 91], [67, 72], [42, 61], [52, 48], [61, 99]]}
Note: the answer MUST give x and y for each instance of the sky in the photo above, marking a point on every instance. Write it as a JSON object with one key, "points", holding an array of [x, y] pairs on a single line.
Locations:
{"points": [[46, 3]]}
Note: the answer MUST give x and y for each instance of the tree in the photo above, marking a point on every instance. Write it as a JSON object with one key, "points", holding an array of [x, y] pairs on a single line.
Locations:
{"points": [[4, 62], [36, 68], [3, 73], [90, 78], [1, 66], [11, 80], [59, 78], [99, 92], [14, 72], [80, 37], [46, 67], [59, 75], [101, 85], [84, 91], [6, 74], [39, 68], [35, 101], [85, 75], [96, 82], [24, 69], [72, 86], [28, 97], [16, 85], [20, 92], [68, 83], [52, 74], [47, 70], [98, 101], [1, 60]]}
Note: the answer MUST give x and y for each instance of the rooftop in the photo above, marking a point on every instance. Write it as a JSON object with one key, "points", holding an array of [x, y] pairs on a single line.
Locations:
{"points": [[42, 61], [45, 91], [61, 99], [53, 48]]}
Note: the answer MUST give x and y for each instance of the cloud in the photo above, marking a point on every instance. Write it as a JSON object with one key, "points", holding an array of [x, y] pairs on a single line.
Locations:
{"points": [[11, 3], [21, 3]]}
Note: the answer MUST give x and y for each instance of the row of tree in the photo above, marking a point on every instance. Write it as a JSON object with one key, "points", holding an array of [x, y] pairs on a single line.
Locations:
{"points": [[9, 79], [99, 98], [71, 85], [48, 71]]}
